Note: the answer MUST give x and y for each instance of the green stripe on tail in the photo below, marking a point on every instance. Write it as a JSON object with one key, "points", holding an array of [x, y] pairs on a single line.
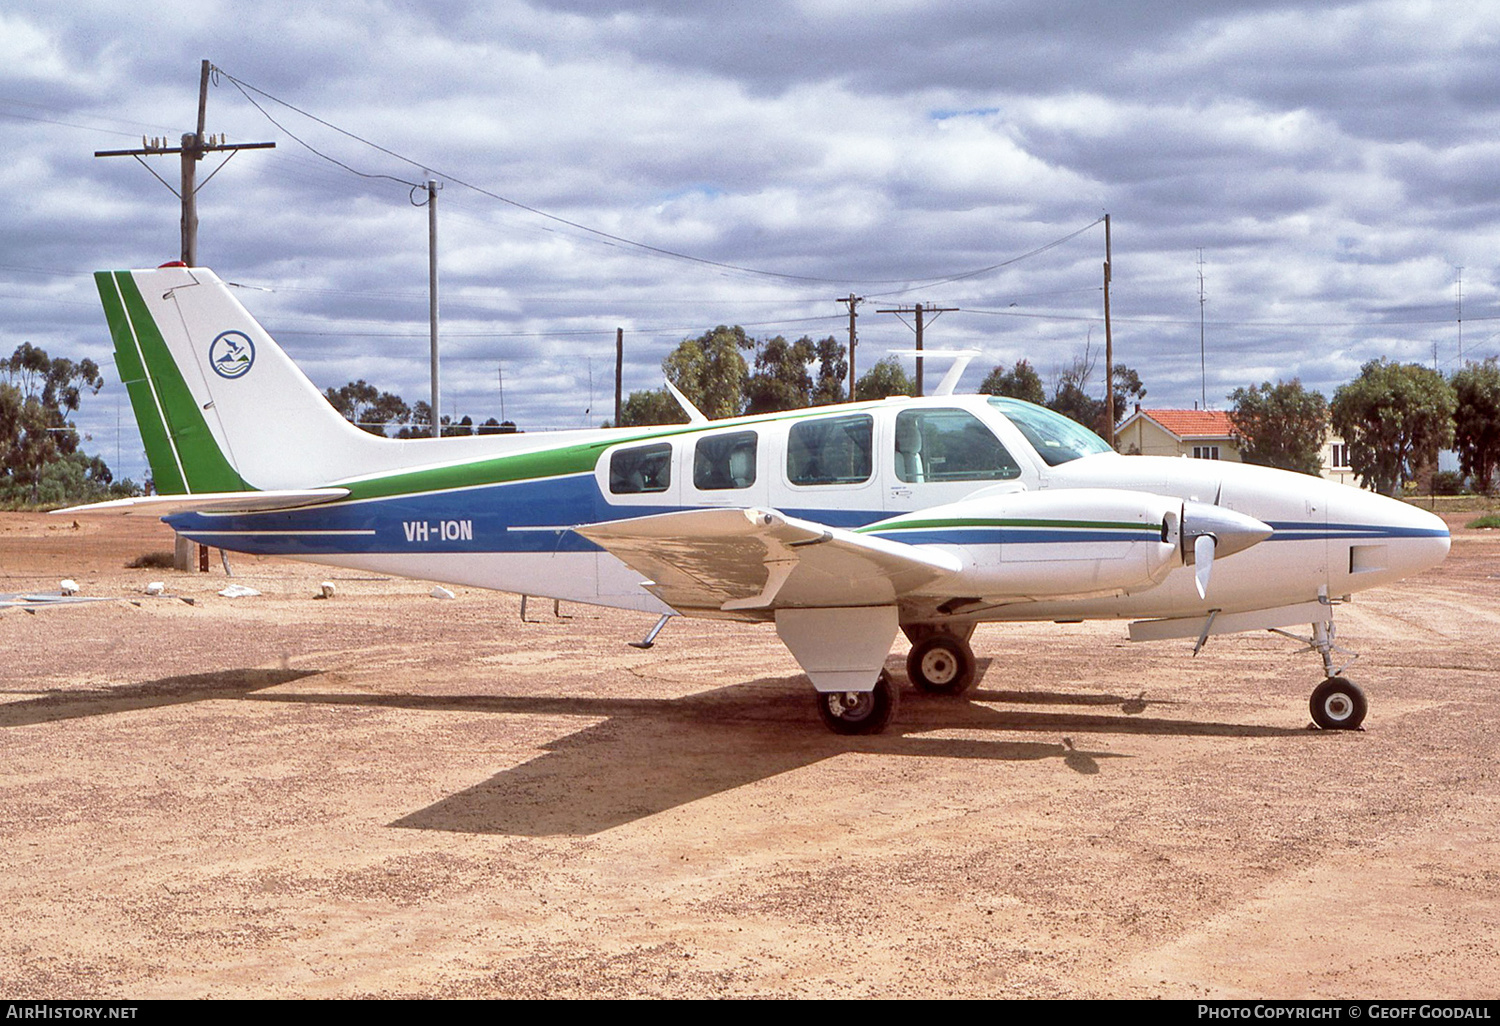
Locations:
{"points": [[183, 454]]}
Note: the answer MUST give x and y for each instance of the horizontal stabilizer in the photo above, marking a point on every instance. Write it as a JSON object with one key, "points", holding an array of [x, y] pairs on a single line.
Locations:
{"points": [[207, 502], [740, 560]]}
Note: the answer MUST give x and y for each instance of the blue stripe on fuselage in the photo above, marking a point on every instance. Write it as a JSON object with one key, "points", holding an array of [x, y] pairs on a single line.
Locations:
{"points": [[496, 518], [1305, 531], [511, 517]]}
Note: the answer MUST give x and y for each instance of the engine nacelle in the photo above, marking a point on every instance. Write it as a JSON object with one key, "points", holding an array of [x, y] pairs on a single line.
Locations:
{"points": [[1078, 543]]}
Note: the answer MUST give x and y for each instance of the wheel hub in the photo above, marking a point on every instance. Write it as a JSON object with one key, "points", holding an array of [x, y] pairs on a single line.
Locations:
{"points": [[939, 667], [850, 705], [1338, 707]]}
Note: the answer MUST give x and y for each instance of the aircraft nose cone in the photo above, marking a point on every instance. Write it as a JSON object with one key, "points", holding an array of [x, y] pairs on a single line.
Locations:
{"points": [[1386, 537], [1234, 532], [1421, 538]]}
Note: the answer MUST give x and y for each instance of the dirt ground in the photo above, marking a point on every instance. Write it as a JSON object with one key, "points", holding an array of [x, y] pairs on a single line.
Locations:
{"points": [[390, 794]]}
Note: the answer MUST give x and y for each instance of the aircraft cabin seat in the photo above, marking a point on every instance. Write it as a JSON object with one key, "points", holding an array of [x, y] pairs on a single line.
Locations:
{"points": [[909, 451]]}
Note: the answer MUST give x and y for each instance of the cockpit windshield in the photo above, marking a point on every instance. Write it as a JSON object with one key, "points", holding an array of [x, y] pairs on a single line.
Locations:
{"points": [[1056, 438]]}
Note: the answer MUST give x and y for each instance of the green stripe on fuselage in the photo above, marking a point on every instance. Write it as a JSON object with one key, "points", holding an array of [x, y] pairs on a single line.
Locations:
{"points": [[955, 522], [522, 466], [184, 438], [577, 458]]}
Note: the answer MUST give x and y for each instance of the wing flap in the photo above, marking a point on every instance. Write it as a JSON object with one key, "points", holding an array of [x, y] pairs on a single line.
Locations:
{"points": [[207, 502], [742, 560]]}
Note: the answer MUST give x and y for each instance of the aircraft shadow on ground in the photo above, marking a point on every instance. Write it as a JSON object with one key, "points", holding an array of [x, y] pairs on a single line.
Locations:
{"points": [[686, 749], [644, 756], [76, 703]]}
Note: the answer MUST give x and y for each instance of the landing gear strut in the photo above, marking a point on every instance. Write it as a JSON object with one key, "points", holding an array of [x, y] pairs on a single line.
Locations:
{"points": [[860, 712], [1337, 703]]}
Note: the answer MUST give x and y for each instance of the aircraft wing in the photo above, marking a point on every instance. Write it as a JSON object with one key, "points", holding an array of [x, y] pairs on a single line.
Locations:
{"points": [[207, 502], [754, 561]]}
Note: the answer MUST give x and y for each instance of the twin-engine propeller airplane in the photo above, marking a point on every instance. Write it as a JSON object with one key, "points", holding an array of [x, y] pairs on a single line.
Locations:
{"points": [[843, 525]]}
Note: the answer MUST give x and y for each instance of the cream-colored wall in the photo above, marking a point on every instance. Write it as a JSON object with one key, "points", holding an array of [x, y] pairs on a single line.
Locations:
{"points": [[1149, 438], [1343, 475]]}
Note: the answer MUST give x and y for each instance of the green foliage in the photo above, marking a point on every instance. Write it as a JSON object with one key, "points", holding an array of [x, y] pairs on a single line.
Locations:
{"points": [[833, 371], [653, 406], [1073, 399], [1020, 382], [1476, 421], [69, 480], [1281, 425], [886, 378], [1489, 520], [714, 376], [497, 427], [781, 380], [710, 370], [1395, 417], [456, 428], [37, 392], [367, 408], [1447, 482]]}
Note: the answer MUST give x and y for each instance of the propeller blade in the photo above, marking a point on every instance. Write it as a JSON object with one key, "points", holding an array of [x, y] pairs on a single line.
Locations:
{"points": [[1203, 557]]}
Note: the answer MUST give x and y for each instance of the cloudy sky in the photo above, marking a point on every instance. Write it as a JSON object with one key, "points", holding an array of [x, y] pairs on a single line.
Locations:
{"points": [[1329, 169]]}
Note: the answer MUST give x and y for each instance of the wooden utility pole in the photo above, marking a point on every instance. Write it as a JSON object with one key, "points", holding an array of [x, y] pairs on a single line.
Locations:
{"points": [[619, 372], [1109, 349], [920, 311], [432, 300], [195, 145], [853, 301]]}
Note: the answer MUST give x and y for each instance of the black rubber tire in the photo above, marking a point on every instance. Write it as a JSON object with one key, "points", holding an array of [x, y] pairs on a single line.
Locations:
{"points": [[860, 712], [941, 665], [1338, 704]]}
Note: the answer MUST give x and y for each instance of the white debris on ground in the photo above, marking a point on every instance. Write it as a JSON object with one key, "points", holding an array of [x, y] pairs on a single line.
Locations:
{"points": [[440, 592], [238, 591], [155, 588], [326, 590], [68, 586]]}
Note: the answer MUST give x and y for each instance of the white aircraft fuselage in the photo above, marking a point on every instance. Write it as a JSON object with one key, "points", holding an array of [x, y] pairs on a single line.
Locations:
{"points": [[841, 523]]}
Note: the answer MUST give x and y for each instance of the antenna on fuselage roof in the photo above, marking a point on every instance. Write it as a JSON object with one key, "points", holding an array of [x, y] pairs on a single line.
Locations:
{"points": [[960, 357], [695, 415]]}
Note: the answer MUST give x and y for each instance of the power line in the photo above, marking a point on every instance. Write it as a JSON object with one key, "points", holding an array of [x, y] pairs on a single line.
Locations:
{"points": [[558, 333], [245, 88]]}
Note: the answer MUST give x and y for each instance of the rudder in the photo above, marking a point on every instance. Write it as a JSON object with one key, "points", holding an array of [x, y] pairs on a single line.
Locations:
{"points": [[220, 406]]}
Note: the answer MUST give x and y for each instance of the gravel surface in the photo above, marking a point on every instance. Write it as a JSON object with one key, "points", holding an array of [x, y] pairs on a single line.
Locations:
{"points": [[387, 794]]}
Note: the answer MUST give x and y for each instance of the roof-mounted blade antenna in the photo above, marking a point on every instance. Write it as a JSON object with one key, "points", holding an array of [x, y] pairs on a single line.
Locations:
{"points": [[695, 415], [960, 358]]}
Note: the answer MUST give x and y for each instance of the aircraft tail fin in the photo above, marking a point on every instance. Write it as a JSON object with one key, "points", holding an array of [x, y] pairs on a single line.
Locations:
{"points": [[220, 406]]}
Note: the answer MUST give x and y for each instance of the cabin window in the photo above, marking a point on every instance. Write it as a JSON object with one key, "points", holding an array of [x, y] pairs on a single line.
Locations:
{"points": [[1055, 438], [644, 468], [949, 445], [830, 450], [724, 461]]}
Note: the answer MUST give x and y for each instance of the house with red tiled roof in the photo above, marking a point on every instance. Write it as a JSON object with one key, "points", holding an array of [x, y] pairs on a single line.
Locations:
{"points": [[1206, 435], [1202, 434]]}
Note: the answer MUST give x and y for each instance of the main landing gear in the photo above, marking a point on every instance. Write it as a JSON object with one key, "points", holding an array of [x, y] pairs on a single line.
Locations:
{"points": [[860, 712], [1337, 703], [941, 664]]}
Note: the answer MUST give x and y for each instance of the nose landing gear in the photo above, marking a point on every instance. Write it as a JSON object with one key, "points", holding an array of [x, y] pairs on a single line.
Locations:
{"points": [[1337, 703]]}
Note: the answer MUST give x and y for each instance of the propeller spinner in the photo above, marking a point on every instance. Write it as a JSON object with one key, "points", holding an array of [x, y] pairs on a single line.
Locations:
{"points": [[1210, 531]]}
